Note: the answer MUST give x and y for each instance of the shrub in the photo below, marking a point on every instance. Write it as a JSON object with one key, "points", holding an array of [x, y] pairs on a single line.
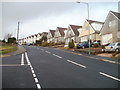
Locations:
{"points": [[44, 44], [96, 45], [71, 45], [103, 46]]}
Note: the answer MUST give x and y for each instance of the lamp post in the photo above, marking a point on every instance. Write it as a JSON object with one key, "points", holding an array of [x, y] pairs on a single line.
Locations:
{"points": [[18, 32], [88, 22]]}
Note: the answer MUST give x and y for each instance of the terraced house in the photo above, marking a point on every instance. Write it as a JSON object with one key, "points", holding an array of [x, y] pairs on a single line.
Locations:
{"points": [[91, 27], [72, 34], [50, 36], [110, 31], [59, 35]]}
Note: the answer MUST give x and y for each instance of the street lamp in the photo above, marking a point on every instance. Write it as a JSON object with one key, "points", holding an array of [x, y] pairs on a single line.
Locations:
{"points": [[18, 32], [88, 21]]}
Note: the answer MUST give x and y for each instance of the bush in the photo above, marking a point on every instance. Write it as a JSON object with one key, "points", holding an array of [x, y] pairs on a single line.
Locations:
{"points": [[96, 45], [103, 46], [12, 40], [71, 45], [44, 44]]}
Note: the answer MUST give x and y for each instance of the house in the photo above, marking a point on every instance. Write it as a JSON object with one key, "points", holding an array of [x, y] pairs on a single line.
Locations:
{"points": [[72, 33], [59, 35], [34, 38], [50, 36], [110, 31], [39, 36], [91, 29]]}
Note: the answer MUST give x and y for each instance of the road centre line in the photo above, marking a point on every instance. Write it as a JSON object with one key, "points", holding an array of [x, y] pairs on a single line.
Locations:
{"points": [[38, 86], [77, 64], [57, 56], [47, 52], [36, 80], [109, 76], [33, 72], [34, 75], [22, 59]]}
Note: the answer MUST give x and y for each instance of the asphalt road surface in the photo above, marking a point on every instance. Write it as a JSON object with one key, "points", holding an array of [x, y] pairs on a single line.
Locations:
{"points": [[41, 67]]}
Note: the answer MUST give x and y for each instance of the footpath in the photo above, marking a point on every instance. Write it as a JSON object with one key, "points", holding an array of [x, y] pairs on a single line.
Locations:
{"points": [[20, 49]]}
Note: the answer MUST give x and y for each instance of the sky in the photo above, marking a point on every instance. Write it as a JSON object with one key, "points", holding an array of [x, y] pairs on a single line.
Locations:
{"points": [[38, 17]]}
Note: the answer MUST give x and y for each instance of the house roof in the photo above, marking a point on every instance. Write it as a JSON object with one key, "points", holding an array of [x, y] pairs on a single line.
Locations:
{"points": [[93, 21], [116, 14], [39, 34], [52, 32], [61, 30], [75, 29], [94, 27], [45, 33]]}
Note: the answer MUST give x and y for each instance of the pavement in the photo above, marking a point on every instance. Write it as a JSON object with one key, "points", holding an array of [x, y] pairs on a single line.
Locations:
{"points": [[20, 49], [46, 68]]}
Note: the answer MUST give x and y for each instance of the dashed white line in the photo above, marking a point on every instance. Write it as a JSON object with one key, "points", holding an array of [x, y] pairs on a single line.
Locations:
{"points": [[33, 72], [22, 59], [36, 80], [47, 52], [38, 86], [34, 75], [109, 76], [57, 56], [77, 64]]}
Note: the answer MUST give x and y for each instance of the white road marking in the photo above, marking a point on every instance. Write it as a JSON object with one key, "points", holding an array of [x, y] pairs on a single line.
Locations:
{"points": [[47, 52], [57, 56], [33, 72], [38, 86], [13, 65], [109, 76], [36, 80], [77, 64], [22, 59], [34, 75], [28, 61]]}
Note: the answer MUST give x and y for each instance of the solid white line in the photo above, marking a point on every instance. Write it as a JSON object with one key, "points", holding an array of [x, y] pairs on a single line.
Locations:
{"points": [[22, 59], [109, 76], [28, 61], [34, 75], [57, 56], [77, 64], [36, 80], [38, 86]]}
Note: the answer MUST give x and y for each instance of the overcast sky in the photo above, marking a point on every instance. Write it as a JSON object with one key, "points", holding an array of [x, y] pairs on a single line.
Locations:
{"points": [[37, 17]]}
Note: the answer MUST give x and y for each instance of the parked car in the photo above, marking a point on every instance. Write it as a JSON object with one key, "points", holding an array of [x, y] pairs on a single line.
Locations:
{"points": [[113, 47], [83, 45], [28, 44], [97, 41]]}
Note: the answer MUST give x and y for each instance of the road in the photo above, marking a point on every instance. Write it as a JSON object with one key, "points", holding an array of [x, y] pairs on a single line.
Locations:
{"points": [[41, 67]]}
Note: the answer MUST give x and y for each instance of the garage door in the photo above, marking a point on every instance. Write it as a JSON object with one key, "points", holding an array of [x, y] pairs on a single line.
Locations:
{"points": [[106, 39]]}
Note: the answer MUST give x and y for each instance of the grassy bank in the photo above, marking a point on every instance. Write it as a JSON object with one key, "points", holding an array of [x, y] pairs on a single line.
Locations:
{"points": [[7, 48]]}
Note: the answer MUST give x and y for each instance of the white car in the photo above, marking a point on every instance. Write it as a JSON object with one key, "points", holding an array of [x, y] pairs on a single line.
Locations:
{"points": [[113, 47]]}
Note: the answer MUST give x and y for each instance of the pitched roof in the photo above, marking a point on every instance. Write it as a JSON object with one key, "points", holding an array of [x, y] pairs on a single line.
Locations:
{"points": [[39, 34], [61, 30], [45, 33], [116, 14], [75, 29], [93, 21], [52, 32], [94, 27]]}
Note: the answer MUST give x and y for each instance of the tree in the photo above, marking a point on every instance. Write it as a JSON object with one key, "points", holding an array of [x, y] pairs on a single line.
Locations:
{"points": [[12, 40]]}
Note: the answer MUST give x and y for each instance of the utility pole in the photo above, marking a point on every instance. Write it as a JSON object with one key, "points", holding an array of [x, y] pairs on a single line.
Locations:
{"points": [[18, 31], [88, 24]]}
